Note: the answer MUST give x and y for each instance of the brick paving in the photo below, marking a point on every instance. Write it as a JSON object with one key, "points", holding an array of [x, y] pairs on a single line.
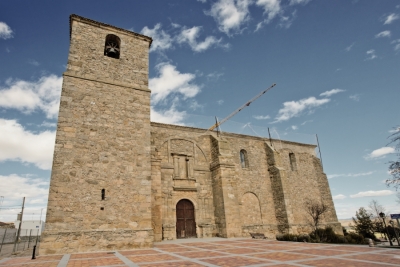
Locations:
{"points": [[215, 252]]}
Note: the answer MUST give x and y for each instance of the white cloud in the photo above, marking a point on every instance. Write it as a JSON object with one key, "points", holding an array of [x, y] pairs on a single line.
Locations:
{"points": [[18, 144], [190, 35], [214, 76], [261, 117], [330, 176], [296, 108], [340, 196], [373, 193], [168, 116], [331, 92], [19, 187], [230, 14], [294, 127], [383, 34], [33, 62], [48, 124], [193, 105], [161, 39], [25, 96], [172, 82], [5, 31], [390, 18], [349, 47], [35, 190], [371, 54], [380, 153], [307, 122], [220, 102], [394, 130], [271, 8], [296, 2], [203, 1], [355, 97], [286, 21], [396, 44]]}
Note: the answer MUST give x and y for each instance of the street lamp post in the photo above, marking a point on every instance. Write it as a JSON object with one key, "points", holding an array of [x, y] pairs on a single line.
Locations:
{"points": [[40, 229], [395, 232], [382, 215]]}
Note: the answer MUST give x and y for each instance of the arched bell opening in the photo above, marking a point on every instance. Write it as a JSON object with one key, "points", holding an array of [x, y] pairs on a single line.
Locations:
{"points": [[185, 219], [112, 46]]}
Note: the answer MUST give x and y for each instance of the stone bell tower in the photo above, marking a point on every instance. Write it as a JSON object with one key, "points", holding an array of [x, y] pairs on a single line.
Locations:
{"points": [[100, 189]]}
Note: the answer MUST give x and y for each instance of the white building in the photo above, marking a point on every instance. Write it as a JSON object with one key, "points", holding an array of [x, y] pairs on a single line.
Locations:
{"points": [[30, 227]]}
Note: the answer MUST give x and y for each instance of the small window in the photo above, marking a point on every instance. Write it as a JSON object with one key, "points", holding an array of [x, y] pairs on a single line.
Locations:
{"points": [[103, 194], [112, 46], [292, 159], [244, 162]]}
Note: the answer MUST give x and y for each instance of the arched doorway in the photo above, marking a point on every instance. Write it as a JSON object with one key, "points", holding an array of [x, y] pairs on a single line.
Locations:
{"points": [[185, 222]]}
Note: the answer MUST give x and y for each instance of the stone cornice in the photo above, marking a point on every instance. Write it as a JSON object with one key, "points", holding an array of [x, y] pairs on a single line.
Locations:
{"points": [[215, 166], [93, 79], [225, 134], [104, 25]]}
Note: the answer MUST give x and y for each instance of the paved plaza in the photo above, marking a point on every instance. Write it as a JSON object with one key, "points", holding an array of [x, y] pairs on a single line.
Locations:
{"points": [[223, 252]]}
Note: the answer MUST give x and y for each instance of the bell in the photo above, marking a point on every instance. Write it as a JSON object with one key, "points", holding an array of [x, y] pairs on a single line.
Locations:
{"points": [[112, 52]]}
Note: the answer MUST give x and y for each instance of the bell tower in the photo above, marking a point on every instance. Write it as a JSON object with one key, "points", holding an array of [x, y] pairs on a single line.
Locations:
{"points": [[100, 188]]}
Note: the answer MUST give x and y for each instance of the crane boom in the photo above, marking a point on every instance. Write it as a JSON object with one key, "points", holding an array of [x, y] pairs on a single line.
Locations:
{"points": [[239, 109]]}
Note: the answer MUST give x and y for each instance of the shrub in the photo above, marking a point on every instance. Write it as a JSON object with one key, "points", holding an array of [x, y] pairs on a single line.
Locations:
{"points": [[287, 237], [353, 238], [326, 235], [303, 238]]}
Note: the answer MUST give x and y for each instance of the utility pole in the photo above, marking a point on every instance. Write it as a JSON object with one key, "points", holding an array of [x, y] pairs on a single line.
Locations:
{"points": [[20, 224]]}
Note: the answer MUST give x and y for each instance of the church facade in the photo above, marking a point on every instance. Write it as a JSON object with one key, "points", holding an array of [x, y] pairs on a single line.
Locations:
{"points": [[120, 181]]}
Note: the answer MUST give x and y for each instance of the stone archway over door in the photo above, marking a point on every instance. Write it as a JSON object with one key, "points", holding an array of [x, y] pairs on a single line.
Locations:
{"points": [[185, 222]]}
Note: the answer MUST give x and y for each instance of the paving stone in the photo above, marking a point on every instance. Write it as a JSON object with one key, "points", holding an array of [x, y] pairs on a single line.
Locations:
{"points": [[234, 261], [377, 258], [173, 264], [341, 263], [95, 262], [139, 252], [282, 256], [152, 258]]}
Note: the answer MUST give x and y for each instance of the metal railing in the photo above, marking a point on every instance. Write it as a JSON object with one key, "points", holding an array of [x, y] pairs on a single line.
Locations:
{"points": [[10, 247]]}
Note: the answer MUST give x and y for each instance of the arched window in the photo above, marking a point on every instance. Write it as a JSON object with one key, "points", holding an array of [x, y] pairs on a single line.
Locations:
{"points": [[244, 162], [103, 194], [292, 160], [112, 46]]}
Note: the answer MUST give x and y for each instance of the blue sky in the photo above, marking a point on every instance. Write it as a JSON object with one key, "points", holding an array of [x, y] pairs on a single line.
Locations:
{"points": [[336, 65]]}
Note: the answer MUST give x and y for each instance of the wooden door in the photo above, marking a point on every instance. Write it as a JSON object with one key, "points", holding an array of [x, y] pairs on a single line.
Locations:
{"points": [[185, 222]]}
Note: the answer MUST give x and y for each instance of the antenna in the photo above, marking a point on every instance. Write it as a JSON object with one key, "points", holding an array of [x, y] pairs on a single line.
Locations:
{"points": [[320, 156]]}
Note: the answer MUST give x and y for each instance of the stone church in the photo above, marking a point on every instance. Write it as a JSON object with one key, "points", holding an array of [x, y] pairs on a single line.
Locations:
{"points": [[120, 181]]}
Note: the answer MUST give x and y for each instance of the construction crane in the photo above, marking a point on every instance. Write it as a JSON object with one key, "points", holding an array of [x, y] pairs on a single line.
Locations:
{"points": [[239, 109]]}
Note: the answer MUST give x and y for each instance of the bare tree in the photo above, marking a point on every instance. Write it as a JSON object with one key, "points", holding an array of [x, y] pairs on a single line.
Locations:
{"points": [[376, 208], [315, 209], [394, 166]]}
